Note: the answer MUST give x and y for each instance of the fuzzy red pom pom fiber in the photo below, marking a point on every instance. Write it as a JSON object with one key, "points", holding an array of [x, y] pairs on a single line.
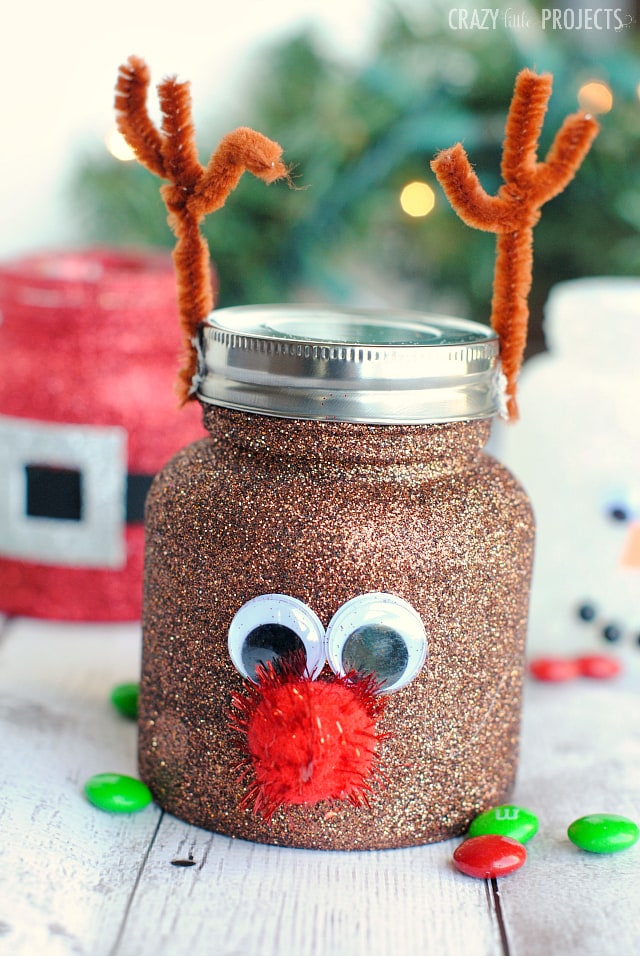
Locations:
{"points": [[307, 740]]}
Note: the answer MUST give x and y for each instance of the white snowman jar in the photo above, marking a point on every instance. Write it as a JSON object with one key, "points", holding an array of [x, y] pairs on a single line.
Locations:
{"points": [[577, 451]]}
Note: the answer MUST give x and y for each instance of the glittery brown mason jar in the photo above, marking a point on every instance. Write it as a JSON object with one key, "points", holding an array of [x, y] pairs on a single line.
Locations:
{"points": [[336, 585]]}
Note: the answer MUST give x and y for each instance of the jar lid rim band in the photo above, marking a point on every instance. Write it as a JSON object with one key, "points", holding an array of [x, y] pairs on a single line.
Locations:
{"points": [[313, 362]]}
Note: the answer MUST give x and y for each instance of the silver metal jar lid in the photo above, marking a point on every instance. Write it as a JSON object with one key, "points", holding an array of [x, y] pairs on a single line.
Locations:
{"points": [[348, 365]]}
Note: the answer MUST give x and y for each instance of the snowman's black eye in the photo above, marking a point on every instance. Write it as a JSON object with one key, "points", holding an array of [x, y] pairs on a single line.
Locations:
{"points": [[380, 635], [273, 626], [622, 505], [618, 513]]}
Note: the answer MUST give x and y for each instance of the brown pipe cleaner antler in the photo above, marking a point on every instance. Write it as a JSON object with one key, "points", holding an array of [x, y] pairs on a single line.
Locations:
{"points": [[193, 190], [515, 210]]}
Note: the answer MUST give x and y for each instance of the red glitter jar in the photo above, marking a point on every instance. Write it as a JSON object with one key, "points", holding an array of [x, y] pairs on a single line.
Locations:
{"points": [[336, 585], [79, 439]]}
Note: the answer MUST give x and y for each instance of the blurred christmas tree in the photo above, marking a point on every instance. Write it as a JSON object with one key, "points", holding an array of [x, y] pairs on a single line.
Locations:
{"points": [[358, 134]]}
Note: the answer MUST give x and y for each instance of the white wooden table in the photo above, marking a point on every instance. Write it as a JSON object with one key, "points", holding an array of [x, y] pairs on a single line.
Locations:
{"points": [[75, 880]]}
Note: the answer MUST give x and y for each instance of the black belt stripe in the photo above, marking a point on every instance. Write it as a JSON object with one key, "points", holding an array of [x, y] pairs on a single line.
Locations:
{"points": [[57, 493]]}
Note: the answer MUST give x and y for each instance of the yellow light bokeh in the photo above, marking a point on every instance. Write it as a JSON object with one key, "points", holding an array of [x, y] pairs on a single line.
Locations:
{"points": [[595, 97], [118, 146], [417, 199]]}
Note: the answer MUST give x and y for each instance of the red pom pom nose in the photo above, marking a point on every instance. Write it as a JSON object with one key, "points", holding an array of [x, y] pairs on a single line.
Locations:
{"points": [[306, 740]]}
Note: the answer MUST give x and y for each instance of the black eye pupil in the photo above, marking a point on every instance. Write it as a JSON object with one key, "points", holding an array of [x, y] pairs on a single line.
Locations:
{"points": [[618, 513], [378, 650], [268, 643]]}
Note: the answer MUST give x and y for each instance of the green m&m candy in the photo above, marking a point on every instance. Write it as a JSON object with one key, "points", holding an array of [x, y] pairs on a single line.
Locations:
{"points": [[507, 820], [124, 698], [603, 833], [117, 793]]}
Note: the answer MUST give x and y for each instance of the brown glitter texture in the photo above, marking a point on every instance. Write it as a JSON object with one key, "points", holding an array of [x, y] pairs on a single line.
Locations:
{"points": [[325, 511]]}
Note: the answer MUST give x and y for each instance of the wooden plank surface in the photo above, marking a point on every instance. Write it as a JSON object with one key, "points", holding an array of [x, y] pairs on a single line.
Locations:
{"points": [[67, 870], [76, 880], [255, 900], [581, 755]]}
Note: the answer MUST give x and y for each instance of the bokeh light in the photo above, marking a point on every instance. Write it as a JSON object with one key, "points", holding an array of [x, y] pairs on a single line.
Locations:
{"points": [[595, 97], [417, 199], [118, 146]]}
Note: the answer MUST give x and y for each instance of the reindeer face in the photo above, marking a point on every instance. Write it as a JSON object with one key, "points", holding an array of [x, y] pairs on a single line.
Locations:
{"points": [[311, 736]]}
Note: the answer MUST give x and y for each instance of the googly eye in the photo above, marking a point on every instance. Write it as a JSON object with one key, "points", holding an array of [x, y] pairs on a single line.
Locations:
{"points": [[272, 626], [377, 634]]}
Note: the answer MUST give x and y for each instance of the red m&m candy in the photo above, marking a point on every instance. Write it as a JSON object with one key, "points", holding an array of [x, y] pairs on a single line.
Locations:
{"points": [[554, 668], [488, 856], [600, 666]]}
